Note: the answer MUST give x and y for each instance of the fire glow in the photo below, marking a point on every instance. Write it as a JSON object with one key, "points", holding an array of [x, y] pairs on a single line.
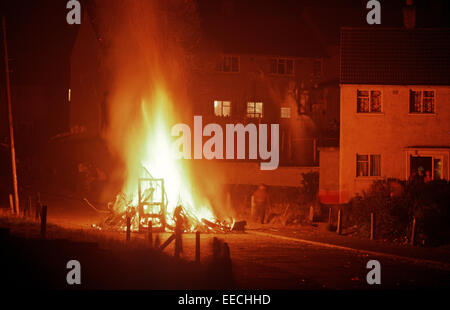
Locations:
{"points": [[160, 161], [149, 82]]}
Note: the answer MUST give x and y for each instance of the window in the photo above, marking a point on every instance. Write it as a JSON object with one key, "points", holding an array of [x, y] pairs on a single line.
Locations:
{"points": [[222, 108], [368, 165], [228, 64], [317, 68], [425, 166], [421, 101], [255, 109], [282, 66], [285, 112], [368, 101], [437, 168]]}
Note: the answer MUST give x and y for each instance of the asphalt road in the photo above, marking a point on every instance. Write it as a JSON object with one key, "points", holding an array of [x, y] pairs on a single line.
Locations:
{"points": [[265, 262]]}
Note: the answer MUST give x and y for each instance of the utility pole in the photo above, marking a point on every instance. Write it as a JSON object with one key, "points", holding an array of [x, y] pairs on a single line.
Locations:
{"points": [[10, 118]]}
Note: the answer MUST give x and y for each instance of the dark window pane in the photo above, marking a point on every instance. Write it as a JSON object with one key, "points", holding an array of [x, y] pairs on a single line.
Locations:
{"points": [[317, 68], [415, 101], [362, 157], [362, 165], [428, 93], [363, 105], [281, 65], [361, 169], [362, 93], [273, 65], [375, 101], [227, 64], [235, 64], [428, 106], [437, 169], [289, 67], [362, 101], [375, 165]]}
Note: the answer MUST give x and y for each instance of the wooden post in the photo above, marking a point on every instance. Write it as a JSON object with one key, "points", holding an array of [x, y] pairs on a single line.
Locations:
{"points": [[197, 246], [178, 239], [166, 243], [330, 221], [339, 222], [128, 228], [372, 225], [311, 214], [150, 233], [43, 221], [413, 231], [11, 203], [10, 119]]}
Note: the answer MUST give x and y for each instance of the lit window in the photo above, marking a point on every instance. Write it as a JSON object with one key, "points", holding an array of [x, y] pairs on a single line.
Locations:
{"points": [[421, 101], [285, 112], [282, 66], [368, 165], [255, 109], [222, 108], [228, 64], [368, 101]]}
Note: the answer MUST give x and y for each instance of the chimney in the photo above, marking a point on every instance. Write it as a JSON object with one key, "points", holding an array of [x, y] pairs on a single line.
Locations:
{"points": [[409, 15]]}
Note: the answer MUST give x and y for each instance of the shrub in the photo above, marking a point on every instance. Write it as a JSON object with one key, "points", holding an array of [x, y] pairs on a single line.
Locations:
{"points": [[394, 210], [310, 186]]}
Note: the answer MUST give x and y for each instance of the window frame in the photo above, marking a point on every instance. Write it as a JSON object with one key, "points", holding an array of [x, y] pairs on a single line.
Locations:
{"points": [[320, 74], [221, 102], [369, 90], [421, 90], [369, 170], [221, 65], [440, 154], [254, 113], [277, 59], [286, 109]]}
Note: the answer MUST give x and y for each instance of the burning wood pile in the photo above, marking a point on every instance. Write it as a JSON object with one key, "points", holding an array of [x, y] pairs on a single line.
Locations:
{"points": [[150, 209], [116, 220]]}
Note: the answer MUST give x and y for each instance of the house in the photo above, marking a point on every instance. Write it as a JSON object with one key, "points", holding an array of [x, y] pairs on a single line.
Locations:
{"points": [[271, 69], [394, 106]]}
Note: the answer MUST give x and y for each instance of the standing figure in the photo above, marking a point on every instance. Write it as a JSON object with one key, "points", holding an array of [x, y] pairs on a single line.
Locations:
{"points": [[260, 203]]}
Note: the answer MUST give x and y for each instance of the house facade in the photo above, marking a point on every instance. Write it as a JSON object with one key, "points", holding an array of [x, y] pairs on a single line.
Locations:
{"points": [[286, 90], [395, 106]]}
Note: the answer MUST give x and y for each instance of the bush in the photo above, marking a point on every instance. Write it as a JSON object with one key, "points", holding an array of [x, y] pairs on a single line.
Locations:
{"points": [[394, 210], [310, 186]]}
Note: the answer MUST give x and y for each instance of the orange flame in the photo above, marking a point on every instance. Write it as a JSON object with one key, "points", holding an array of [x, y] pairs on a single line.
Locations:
{"points": [[147, 60]]}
